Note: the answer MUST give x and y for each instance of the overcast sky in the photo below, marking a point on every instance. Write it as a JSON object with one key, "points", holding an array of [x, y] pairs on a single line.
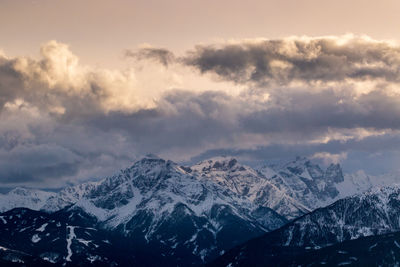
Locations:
{"points": [[86, 87]]}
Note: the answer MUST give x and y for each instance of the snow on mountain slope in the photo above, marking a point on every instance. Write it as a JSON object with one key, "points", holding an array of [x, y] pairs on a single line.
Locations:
{"points": [[248, 183], [359, 182], [355, 183], [159, 202], [306, 182], [374, 212], [23, 197], [68, 196], [370, 213]]}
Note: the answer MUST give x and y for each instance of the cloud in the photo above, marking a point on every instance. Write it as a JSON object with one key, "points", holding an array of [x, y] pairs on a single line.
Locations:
{"points": [[162, 55], [305, 59], [58, 82], [330, 158], [32, 163], [63, 122]]}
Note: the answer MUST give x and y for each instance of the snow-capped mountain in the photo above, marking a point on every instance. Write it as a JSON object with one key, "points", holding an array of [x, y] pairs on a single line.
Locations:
{"points": [[163, 205], [358, 182], [312, 186], [306, 182], [374, 212], [23, 197], [248, 183], [292, 189], [159, 213]]}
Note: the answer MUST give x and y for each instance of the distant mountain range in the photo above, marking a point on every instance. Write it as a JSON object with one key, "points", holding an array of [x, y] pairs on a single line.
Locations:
{"points": [[157, 212]]}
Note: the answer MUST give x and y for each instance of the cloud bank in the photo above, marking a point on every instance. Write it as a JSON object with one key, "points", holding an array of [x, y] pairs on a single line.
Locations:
{"points": [[326, 59], [334, 98]]}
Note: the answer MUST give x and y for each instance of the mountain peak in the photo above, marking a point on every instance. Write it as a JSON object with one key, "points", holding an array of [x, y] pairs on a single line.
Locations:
{"points": [[150, 161], [22, 191], [19, 191], [382, 191], [301, 160], [217, 164], [334, 173]]}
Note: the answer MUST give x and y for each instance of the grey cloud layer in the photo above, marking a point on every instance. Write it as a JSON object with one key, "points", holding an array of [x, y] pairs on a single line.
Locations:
{"points": [[307, 59], [61, 122]]}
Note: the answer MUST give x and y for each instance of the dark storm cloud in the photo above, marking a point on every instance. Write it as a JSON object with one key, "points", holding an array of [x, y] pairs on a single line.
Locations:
{"points": [[287, 60], [368, 145], [190, 123], [183, 120], [33, 163], [161, 55], [214, 118], [307, 112]]}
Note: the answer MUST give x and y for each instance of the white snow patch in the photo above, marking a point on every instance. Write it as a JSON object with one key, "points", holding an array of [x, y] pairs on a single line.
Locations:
{"points": [[35, 238], [3, 220], [24, 198], [17, 260], [42, 228], [85, 242], [70, 236], [50, 257], [92, 258], [23, 229], [371, 247]]}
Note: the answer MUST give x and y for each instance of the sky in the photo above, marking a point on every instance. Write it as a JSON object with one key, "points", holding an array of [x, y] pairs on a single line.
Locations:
{"points": [[87, 87]]}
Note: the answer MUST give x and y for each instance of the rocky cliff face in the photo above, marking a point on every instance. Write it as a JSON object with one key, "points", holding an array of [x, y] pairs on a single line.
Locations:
{"points": [[249, 184], [306, 182]]}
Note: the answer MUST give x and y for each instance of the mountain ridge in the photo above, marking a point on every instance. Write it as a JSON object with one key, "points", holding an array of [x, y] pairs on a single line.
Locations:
{"points": [[371, 213]]}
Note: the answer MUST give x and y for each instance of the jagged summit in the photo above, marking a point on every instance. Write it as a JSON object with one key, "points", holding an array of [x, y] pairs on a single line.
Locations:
{"points": [[384, 193], [148, 161], [20, 191], [25, 191], [248, 183], [217, 163], [306, 181]]}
